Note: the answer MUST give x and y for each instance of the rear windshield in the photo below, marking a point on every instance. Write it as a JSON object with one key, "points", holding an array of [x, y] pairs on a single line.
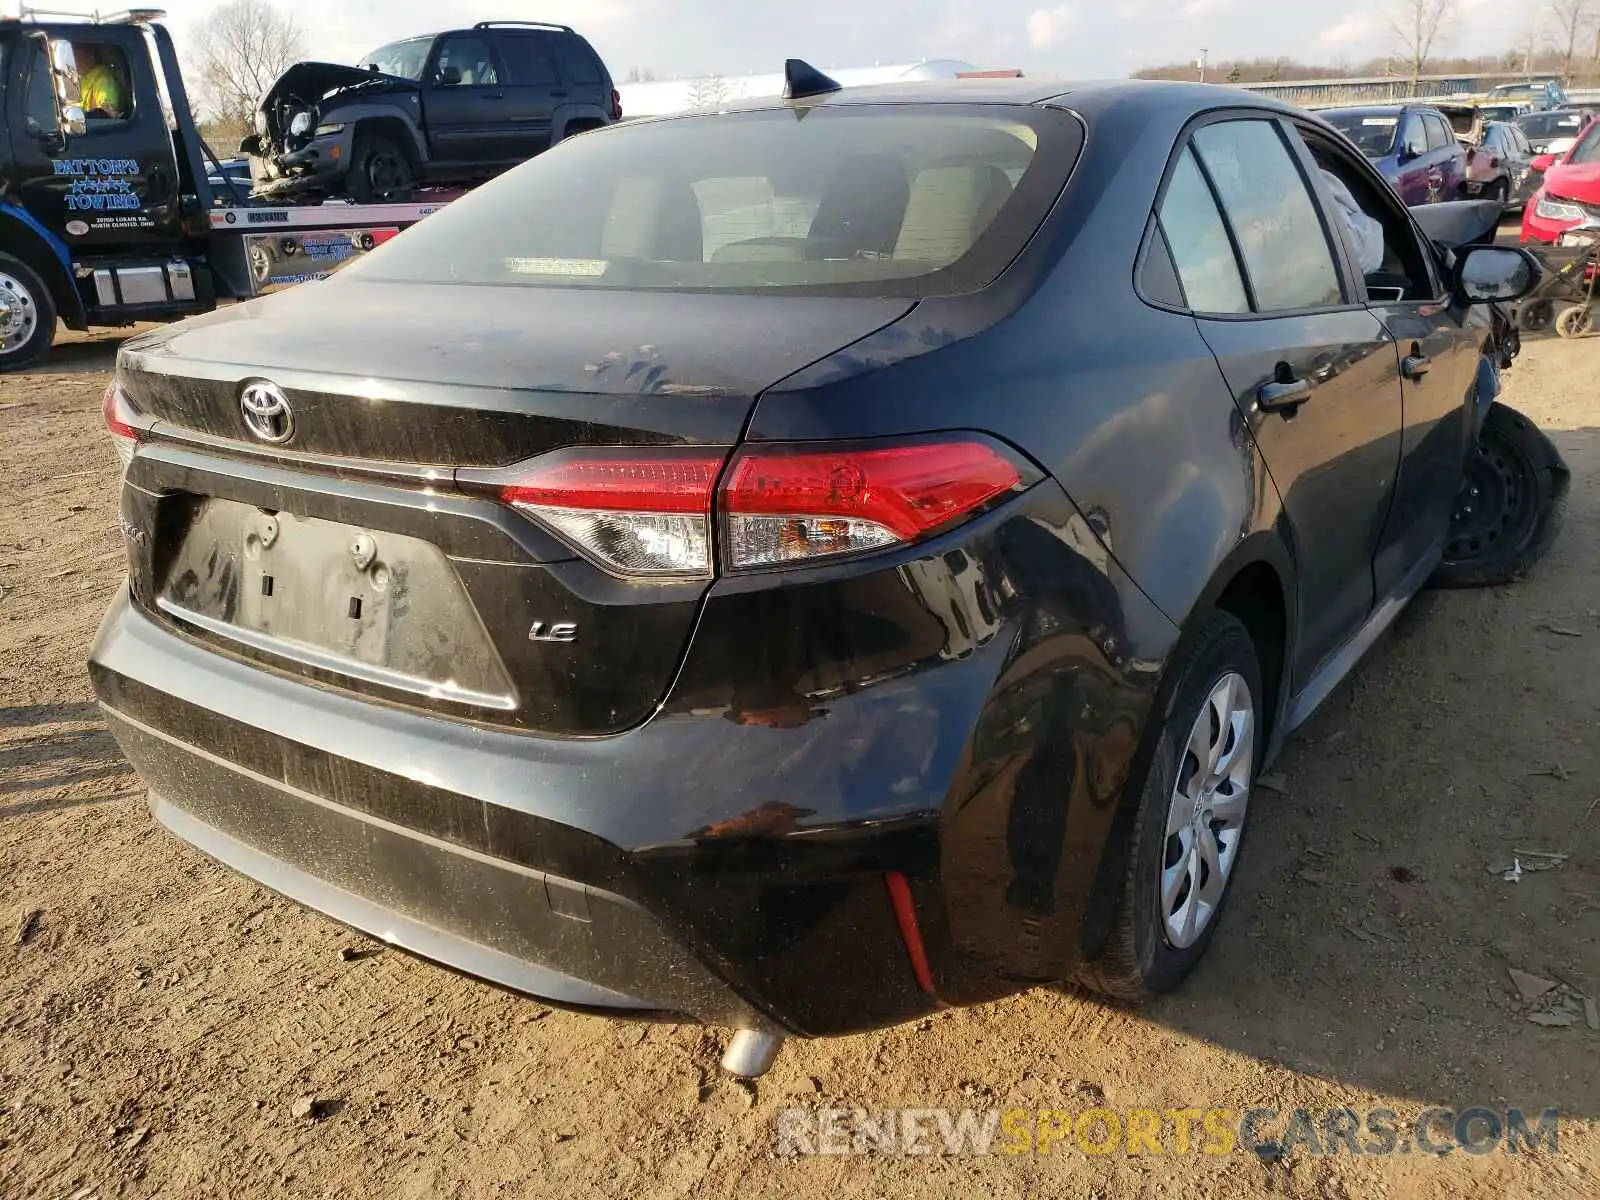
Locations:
{"points": [[405, 59], [850, 199], [1550, 124], [1373, 133], [1587, 151]]}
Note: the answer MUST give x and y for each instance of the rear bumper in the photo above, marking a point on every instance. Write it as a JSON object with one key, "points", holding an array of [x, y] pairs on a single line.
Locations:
{"points": [[962, 720], [497, 854], [567, 942]]}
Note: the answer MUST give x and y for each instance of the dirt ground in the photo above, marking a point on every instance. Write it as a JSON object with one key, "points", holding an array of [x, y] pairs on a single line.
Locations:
{"points": [[159, 1018]]}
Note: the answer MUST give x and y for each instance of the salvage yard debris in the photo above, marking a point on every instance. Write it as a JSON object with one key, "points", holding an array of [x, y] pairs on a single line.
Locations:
{"points": [[28, 923], [1553, 1004]]}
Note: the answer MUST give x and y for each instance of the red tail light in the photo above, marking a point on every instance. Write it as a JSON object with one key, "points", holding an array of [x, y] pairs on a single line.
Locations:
{"points": [[616, 105], [795, 503], [648, 512], [124, 437], [640, 512]]}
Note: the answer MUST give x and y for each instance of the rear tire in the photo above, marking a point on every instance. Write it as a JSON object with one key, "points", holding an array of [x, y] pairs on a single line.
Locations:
{"points": [[379, 171], [1512, 505], [1151, 949], [27, 314], [574, 128]]}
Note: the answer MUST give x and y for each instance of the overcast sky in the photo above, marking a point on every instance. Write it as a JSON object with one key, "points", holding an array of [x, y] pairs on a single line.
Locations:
{"points": [[1078, 38]]}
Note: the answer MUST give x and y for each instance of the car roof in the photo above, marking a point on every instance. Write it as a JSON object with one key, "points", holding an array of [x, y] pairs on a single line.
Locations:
{"points": [[1084, 97], [1380, 109]]}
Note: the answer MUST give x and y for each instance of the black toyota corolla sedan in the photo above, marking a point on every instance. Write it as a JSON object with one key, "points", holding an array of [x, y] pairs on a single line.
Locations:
{"points": [[799, 567]]}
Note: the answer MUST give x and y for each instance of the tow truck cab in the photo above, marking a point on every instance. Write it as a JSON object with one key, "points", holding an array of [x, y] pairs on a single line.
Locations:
{"points": [[107, 216], [100, 204]]}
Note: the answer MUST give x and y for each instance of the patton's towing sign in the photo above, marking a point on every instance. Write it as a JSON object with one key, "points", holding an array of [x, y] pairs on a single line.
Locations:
{"points": [[101, 194]]}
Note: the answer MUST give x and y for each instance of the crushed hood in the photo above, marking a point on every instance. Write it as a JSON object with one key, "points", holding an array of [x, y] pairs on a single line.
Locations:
{"points": [[310, 81]]}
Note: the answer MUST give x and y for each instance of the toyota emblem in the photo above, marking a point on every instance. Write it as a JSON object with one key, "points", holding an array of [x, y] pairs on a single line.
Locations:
{"points": [[266, 411]]}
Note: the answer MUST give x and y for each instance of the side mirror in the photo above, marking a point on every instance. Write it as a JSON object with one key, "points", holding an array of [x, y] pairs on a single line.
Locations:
{"points": [[1494, 273], [1543, 163], [448, 77], [251, 145], [73, 121]]}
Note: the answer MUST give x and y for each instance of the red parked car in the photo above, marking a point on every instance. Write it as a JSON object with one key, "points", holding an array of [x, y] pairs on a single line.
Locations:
{"points": [[1569, 198]]}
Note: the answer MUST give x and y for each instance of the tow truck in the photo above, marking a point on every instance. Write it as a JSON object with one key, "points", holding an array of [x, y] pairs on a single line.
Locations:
{"points": [[110, 217]]}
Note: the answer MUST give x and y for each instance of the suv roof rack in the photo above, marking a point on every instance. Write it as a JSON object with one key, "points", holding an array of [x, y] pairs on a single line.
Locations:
{"points": [[528, 24], [134, 16]]}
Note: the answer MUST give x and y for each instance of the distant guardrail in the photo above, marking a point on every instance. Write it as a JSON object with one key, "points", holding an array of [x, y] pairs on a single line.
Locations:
{"points": [[1380, 87]]}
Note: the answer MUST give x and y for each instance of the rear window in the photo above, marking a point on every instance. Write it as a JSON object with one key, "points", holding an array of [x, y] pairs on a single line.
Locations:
{"points": [[528, 59], [1550, 125], [579, 64], [1373, 133], [849, 199]]}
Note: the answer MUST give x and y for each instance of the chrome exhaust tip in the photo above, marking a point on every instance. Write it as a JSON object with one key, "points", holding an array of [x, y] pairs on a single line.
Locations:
{"points": [[750, 1054]]}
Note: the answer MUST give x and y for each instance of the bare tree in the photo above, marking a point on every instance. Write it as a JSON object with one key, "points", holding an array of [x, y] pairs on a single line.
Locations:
{"points": [[1417, 24], [239, 50], [1572, 20], [711, 90]]}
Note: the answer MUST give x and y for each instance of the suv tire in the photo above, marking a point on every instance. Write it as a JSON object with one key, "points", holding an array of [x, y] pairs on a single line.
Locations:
{"points": [[379, 170]]}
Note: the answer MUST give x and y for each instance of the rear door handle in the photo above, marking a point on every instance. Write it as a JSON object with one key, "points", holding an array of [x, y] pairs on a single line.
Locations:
{"points": [[494, 95], [559, 95], [1415, 366], [1283, 397]]}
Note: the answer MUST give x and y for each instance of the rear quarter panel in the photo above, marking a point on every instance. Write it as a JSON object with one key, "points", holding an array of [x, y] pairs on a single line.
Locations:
{"points": [[1123, 403]]}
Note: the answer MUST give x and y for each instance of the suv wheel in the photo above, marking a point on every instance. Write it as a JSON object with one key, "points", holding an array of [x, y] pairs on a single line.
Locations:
{"points": [[1187, 837], [379, 170]]}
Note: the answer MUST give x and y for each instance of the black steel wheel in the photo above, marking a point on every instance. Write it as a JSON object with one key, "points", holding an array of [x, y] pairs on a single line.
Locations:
{"points": [[1511, 506], [379, 171]]}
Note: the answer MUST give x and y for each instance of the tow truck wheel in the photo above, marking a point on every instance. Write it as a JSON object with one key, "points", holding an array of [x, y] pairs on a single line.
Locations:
{"points": [[27, 314], [379, 171]]}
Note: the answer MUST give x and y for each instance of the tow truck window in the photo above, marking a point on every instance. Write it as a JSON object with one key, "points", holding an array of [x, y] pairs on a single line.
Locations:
{"points": [[103, 81], [41, 113]]}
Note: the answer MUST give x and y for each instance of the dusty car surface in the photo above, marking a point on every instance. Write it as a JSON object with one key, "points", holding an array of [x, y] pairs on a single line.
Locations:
{"points": [[454, 107], [852, 555]]}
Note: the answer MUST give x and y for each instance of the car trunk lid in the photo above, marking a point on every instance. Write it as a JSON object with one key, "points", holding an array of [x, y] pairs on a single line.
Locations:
{"points": [[347, 554]]}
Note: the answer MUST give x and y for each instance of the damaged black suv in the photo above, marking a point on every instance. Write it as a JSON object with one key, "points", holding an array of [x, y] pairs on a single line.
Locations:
{"points": [[446, 108]]}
